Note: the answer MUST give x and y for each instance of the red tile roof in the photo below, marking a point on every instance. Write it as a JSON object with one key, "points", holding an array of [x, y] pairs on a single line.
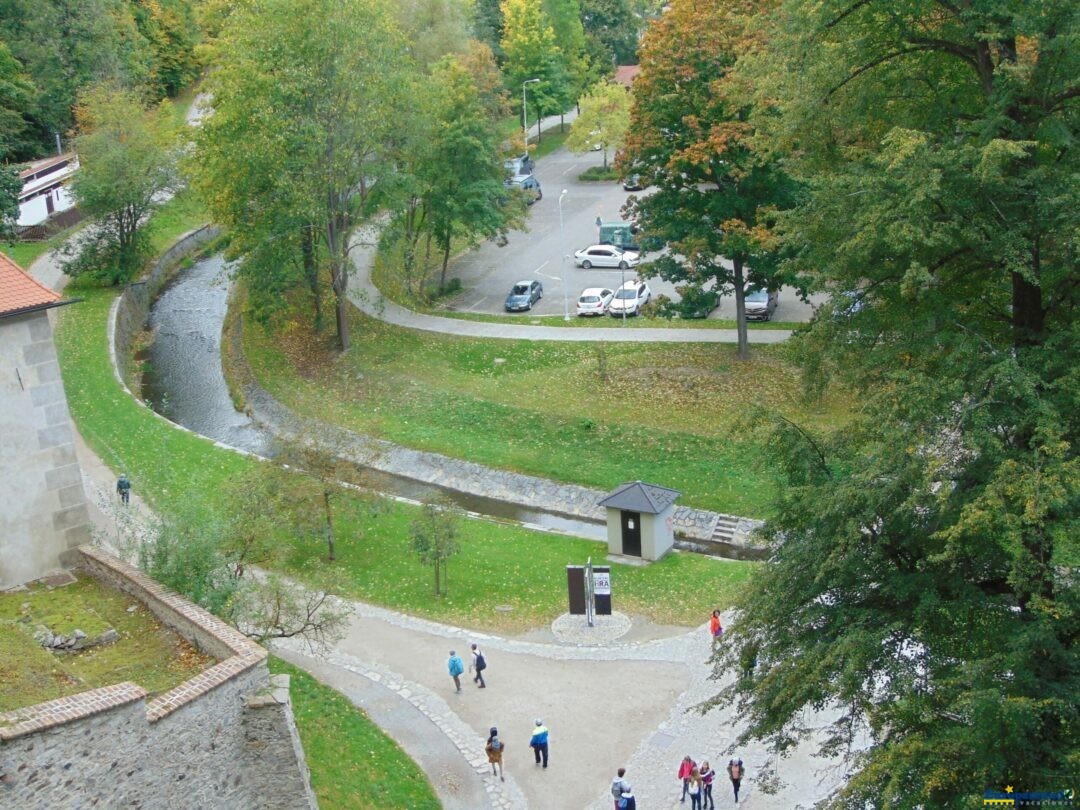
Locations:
{"points": [[625, 74], [21, 293]]}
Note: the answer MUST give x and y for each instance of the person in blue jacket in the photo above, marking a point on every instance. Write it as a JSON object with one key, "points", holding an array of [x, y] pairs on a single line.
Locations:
{"points": [[539, 742], [456, 667]]}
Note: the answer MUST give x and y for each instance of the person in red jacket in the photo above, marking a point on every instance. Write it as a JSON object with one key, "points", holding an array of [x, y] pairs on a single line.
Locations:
{"points": [[716, 630], [685, 769]]}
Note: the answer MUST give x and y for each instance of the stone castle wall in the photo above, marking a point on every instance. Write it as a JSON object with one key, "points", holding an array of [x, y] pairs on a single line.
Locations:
{"points": [[42, 503], [223, 739]]}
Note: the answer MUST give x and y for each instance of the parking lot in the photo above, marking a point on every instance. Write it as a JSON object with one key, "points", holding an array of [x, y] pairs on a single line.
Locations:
{"points": [[543, 251]]}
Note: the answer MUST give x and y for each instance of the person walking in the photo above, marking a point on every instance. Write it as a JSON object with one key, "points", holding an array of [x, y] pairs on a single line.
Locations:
{"points": [[619, 786], [685, 769], [456, 667], [707, 776], [123, 488], [539, 742], [695, 789], [735, 773], [478, 665], [716, 629], [494, 749]]}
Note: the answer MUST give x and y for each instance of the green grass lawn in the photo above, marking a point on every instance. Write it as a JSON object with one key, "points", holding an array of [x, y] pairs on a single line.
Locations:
{"points": [[671, 414], [505, 578], [353, 764], [147, 653]]}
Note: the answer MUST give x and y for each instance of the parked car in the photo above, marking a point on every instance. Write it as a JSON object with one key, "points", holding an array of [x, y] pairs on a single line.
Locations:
{"points": [[529, 185], [519, 164], [630, 298], [523, 295], [696, 303], [632, 183], [594, 301], [760, 304], [606, 256]]}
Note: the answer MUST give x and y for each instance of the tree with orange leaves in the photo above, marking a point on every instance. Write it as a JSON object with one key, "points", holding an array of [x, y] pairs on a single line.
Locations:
{"points": [[690, 139]]}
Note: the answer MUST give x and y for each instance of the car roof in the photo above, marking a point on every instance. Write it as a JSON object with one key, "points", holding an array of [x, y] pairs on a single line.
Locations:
{"points": [[518, 178], [594, 290], [525, 281], [632, 284]]}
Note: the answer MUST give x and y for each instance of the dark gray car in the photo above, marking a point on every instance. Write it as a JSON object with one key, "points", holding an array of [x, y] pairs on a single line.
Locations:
{"points": [[523, 295]]}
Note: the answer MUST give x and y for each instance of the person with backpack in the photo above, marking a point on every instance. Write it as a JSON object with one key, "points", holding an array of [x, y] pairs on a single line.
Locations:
{"points": [[494, 749], [627, 801], [685, 769], [455, 666], [478, 665], [620, 787], [695, 789], [735, 773]]}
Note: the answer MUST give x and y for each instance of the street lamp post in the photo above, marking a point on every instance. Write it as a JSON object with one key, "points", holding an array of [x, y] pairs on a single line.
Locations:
{"points": [[565, 263], [525, 115]]}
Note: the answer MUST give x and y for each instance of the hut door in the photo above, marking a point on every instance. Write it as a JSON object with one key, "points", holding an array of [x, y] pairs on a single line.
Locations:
{"points": [[631, 533]]}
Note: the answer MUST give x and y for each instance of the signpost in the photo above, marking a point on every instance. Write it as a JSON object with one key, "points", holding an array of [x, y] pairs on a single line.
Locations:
{"points": [[589, 589]]}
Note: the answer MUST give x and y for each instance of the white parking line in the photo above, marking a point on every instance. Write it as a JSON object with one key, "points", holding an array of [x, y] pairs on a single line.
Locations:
{"points": [[545, 275], [541, 267], [478, 303]]}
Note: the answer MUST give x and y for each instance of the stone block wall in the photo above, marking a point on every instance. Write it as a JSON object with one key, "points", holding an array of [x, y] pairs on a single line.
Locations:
{"points": [[42, 503], [223, 739]]}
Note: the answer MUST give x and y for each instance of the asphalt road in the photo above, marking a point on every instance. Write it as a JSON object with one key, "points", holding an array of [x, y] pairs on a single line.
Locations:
{"points": [[544, 251]]}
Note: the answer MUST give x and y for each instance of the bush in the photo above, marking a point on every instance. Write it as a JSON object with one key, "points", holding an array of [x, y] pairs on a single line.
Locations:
{"points": [[599, 173], [101, 258]]}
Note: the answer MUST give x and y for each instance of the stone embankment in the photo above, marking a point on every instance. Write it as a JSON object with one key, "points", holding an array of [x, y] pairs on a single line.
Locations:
{"points": [[696, 529]]}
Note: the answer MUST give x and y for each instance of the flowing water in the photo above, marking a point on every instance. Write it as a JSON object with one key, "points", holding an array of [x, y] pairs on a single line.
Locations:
{"points": [[184, 382]]}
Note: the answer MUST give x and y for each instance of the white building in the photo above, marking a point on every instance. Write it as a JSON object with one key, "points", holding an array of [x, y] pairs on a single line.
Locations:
{"points": [[44, 190]]}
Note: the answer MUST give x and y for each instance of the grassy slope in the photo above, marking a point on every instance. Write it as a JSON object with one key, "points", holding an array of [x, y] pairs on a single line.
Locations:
{"points": [[147, 653], [353, 764], [670, 414]]}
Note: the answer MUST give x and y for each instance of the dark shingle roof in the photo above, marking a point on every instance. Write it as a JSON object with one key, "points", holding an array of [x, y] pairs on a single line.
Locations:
{"points": [[639, 497]]}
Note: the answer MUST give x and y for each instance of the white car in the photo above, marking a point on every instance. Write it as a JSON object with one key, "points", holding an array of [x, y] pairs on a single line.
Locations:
{"points": [[606, 256], [630, 298], [594, 301]]}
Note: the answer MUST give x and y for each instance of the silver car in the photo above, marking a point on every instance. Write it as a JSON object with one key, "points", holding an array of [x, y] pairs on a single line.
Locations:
{"points": [[760, 304], [606, 256]]}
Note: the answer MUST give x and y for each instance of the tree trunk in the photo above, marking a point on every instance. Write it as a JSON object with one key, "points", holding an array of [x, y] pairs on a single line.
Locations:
{"points": [[339, 276], [740, 310], [329, 524], [539, 118], [311, 273], [445, 262], [436, 566]]}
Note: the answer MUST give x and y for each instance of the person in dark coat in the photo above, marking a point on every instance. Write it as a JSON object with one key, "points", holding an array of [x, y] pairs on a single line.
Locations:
{"points": [[123, 488], [735, 773]]}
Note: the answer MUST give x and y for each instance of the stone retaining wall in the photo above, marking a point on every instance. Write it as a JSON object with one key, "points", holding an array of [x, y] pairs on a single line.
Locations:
{"points": [[224, 739], [694, 525]]}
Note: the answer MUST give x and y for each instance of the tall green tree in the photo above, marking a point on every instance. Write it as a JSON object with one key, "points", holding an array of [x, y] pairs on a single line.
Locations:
{"points": [[16, 100], [127, 156], [565, 19], [532, 52], [691, 139], [320, 87], [611, 29], [925, 557], [603, 119], [68, 45], [10, 186]]}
